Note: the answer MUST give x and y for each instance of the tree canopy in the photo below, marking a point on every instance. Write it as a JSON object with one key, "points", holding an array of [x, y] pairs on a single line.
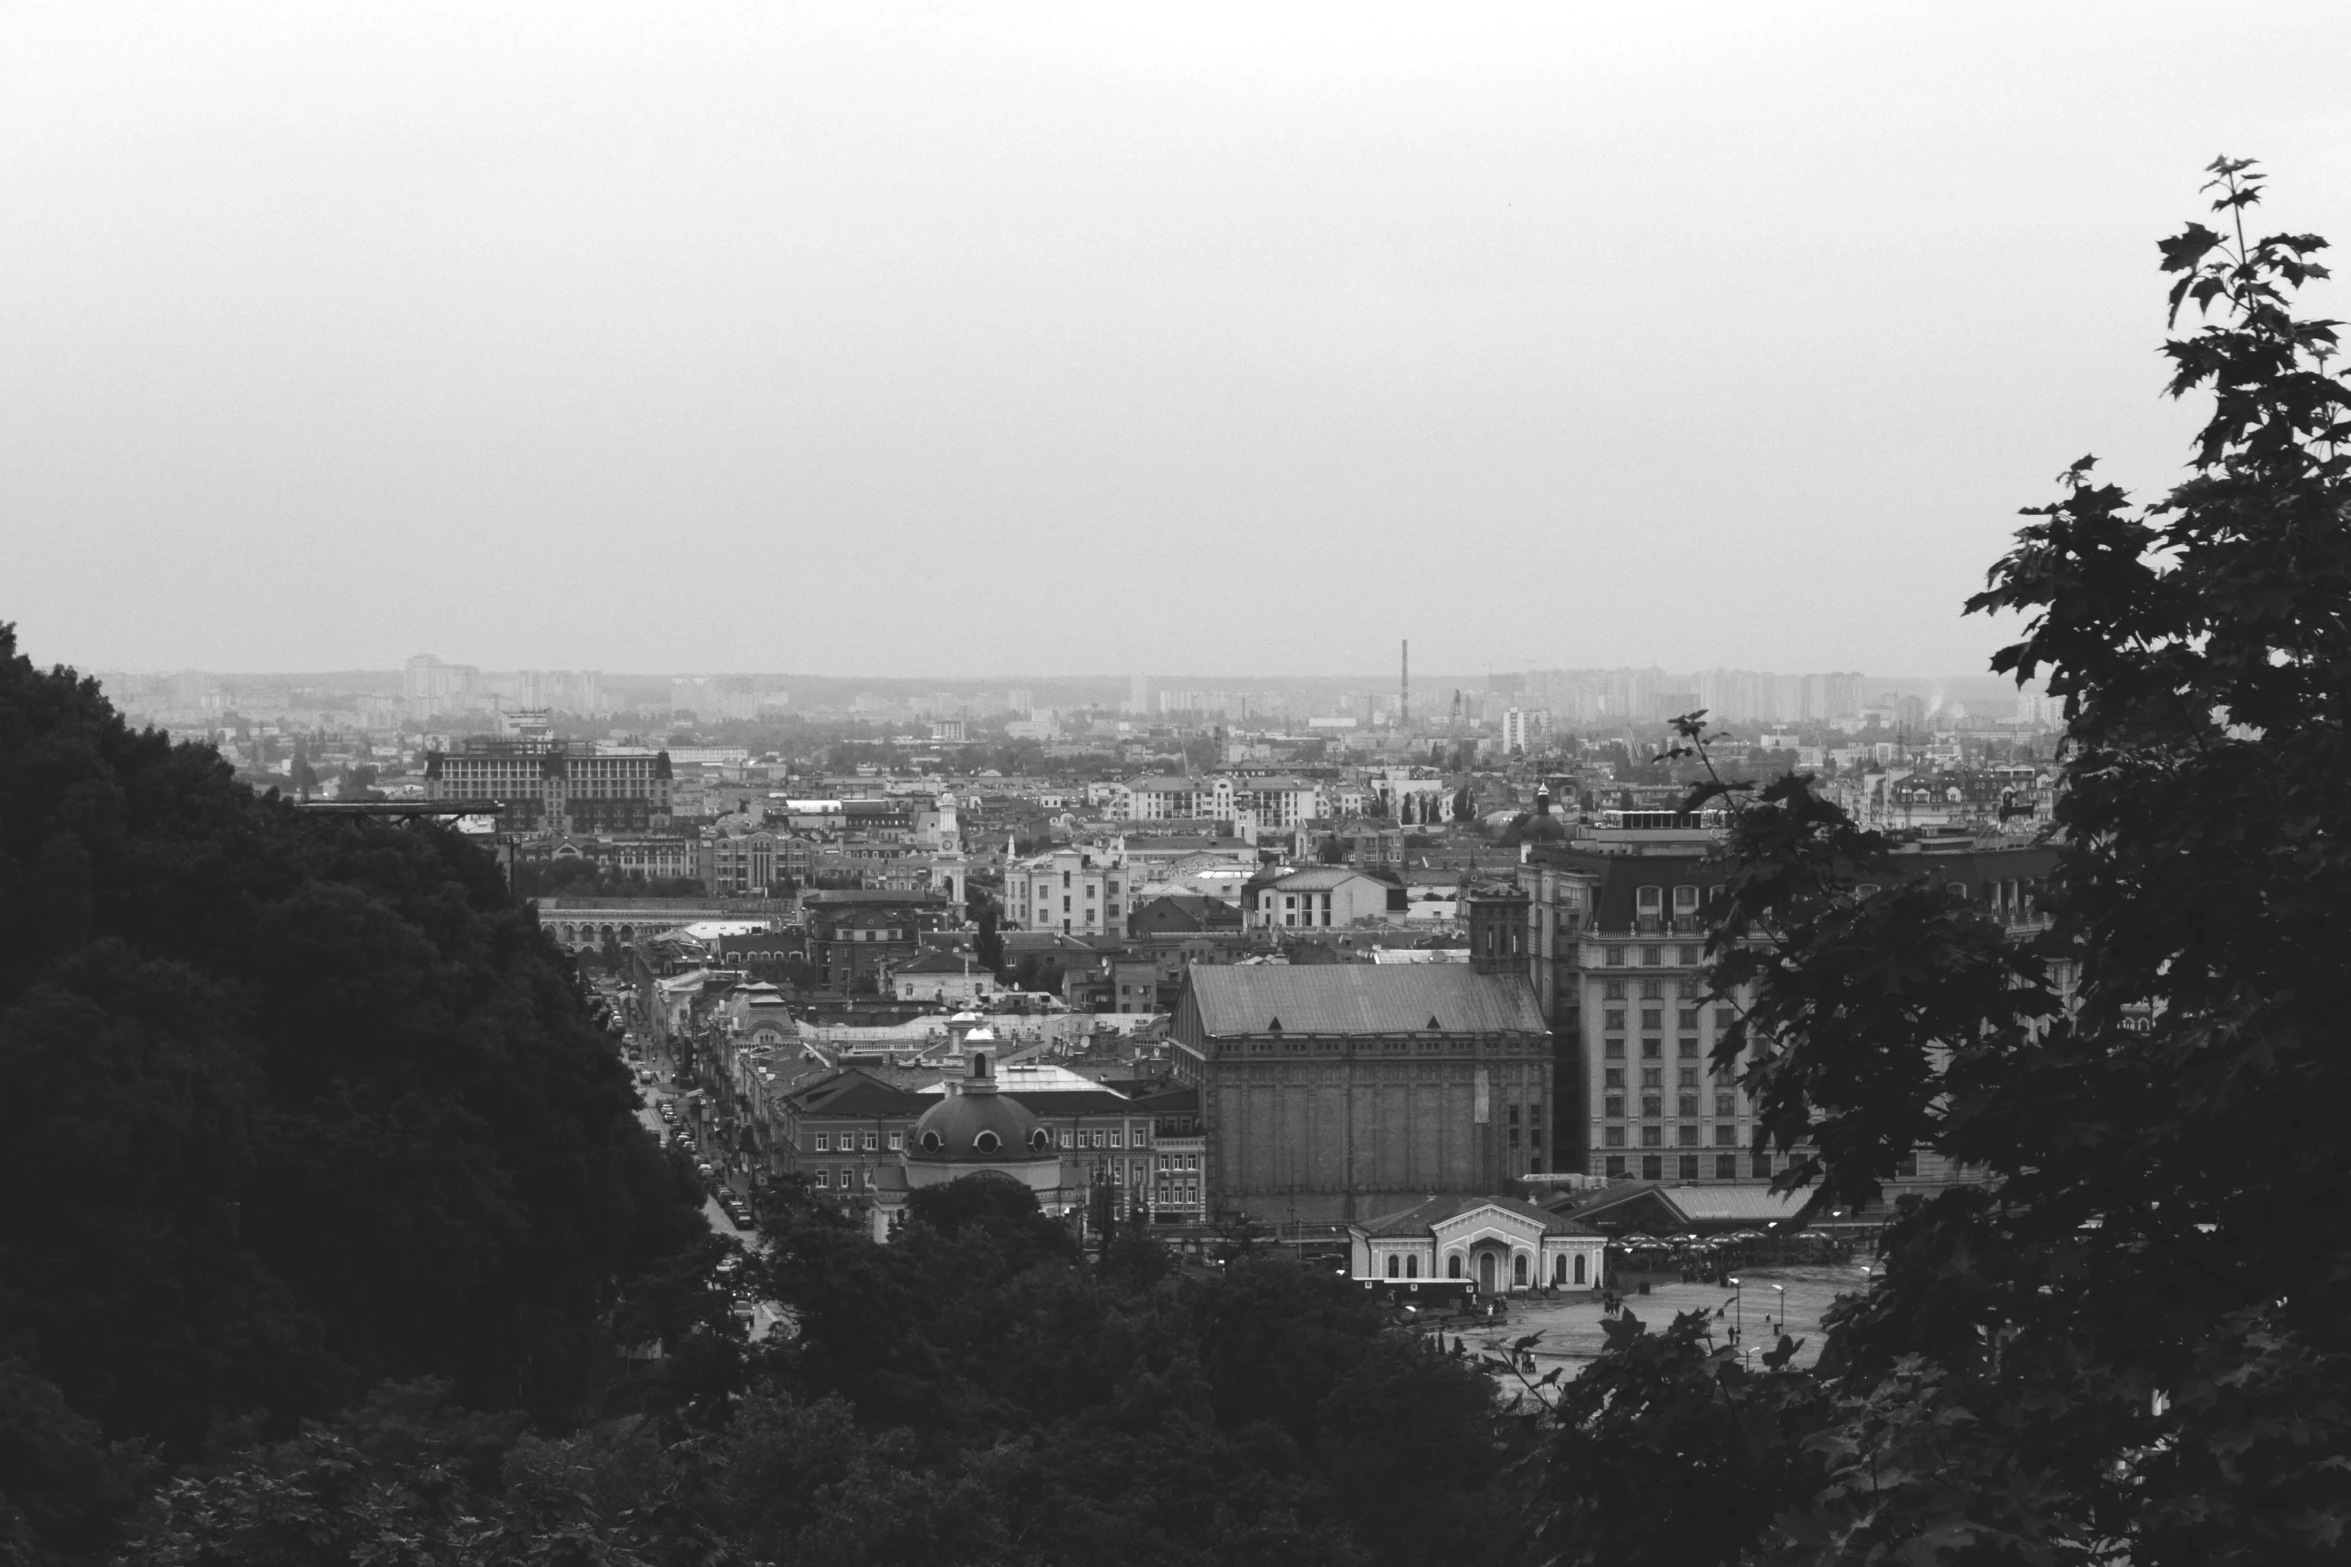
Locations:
{"points": [[2132, 1341], [295, 1105]]}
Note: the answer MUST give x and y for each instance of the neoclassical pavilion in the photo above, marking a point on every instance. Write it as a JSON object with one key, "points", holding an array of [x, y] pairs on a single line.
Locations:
{"points": [[1497, 1245]]}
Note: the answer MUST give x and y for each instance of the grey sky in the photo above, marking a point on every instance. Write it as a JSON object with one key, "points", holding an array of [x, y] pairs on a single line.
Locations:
{"points": [[987, 338]]}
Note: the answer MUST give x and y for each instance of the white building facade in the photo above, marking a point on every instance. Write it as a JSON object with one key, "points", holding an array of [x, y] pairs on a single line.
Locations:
{"points": [[1079, 891]]}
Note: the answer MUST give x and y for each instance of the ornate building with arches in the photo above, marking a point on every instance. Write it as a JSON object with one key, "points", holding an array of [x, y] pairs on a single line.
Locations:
{"points": [[1493, 1245]]}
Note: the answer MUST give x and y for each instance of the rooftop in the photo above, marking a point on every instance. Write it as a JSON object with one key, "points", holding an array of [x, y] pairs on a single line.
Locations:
{"points": [[1361, 998], [1422, 1217]]}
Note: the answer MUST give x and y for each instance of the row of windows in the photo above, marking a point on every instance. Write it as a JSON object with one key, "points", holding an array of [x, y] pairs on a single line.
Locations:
{"points": [[849, 1142], [1653, 1019], [1655, 956], [1685, 1136], [1726, 1166], [1653, 1078], [1652, 1049], [1561, 1272], [1686, 1166], [1650, 901], [1663, 990]]}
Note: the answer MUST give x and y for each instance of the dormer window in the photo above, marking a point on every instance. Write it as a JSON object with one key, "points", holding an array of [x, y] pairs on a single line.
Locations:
{"points": [[987, 1142], [931, 1142]]}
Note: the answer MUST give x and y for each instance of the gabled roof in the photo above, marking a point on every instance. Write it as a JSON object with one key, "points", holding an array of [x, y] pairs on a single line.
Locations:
{"points": [[935, 962], [1361, 998], [1737, 1204], [1319, 878], [1171, 1101], [852, 1093], [1422, 1218]]}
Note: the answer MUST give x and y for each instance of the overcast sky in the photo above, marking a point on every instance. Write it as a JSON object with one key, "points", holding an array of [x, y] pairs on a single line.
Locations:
{"points": [[979, 339]]}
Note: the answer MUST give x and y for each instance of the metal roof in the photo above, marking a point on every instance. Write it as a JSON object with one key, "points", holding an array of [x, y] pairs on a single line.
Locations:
{"points": [[1361, 998], [1422, 1218], [1319, 878]]}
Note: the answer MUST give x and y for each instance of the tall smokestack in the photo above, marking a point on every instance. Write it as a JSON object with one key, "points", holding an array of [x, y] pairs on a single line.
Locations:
{"points": [[1404, 689]]}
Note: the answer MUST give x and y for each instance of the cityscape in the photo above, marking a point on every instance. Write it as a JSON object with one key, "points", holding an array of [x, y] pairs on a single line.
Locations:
{"points": [[1050, 864], [1280, 786]]}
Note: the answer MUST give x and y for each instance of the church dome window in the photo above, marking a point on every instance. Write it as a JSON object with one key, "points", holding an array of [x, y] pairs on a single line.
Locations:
{"points": [[931, 1142], [987, 1142]]}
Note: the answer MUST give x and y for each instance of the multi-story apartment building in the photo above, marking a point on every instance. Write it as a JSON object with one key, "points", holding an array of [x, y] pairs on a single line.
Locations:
{"points": [[652, 856], [552, 786], [1179, 1172], [747, 864], [1277, 802], [839, 1132], [856, 937], [1179, 799], [1282, 801], [1076, 891], [1615, 936], [1321, 897]]}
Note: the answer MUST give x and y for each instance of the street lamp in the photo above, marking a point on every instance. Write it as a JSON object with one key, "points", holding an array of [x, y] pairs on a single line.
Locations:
{"points": [[1738, 1305], [1782, 1306]]}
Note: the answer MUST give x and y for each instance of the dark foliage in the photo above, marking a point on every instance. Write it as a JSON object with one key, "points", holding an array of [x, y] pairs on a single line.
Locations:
{"points": [[295, 1106], [973, 1392]]}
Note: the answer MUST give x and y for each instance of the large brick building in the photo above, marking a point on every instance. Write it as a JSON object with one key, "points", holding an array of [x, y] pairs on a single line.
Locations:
{"points": [[1342, 1091]]}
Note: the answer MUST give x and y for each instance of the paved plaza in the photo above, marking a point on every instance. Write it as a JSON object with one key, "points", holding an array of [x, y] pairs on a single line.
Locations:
{"points": [[1571, 1325]]}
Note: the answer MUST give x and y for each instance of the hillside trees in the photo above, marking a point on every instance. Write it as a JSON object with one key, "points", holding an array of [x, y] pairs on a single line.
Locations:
{"points": [[2134, 1342], [291, 1105]]}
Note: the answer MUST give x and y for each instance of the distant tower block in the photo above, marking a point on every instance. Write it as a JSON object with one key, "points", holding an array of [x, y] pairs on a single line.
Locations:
{"points": [[1404, 689]]}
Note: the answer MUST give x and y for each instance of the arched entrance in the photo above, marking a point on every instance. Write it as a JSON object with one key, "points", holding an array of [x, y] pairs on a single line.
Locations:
{"points": [[1487, 1272]]}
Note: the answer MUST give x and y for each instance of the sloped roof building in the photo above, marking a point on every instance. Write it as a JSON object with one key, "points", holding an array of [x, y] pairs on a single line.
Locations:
{"points": [[1334, 1092]]}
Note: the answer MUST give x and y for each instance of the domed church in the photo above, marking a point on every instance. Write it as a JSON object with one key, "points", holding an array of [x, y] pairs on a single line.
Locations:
{"points": [[976, 1128]]}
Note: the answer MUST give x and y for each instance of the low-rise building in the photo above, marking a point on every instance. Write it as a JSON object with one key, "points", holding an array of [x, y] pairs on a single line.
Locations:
{"points": [[1322, 897], [953, 978], [1491, 1245]]}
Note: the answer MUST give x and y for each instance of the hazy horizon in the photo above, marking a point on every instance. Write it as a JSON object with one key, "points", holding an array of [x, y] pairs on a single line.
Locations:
{"points": [[1432, 683], [1246, 340]]}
